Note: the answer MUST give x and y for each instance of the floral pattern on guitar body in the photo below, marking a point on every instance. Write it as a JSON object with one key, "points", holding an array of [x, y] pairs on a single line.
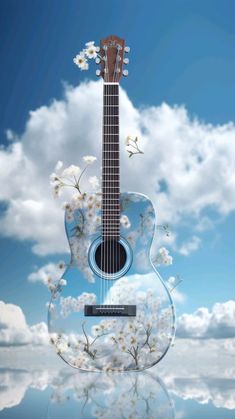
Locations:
{"points": [[111, 343]]}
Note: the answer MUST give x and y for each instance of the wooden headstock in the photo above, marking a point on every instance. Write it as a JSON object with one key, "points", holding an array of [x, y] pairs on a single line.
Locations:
{"points": [[111, 53]]}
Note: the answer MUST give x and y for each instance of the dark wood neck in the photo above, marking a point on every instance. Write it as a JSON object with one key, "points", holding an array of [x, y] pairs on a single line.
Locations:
{"points": [[110, 163]]}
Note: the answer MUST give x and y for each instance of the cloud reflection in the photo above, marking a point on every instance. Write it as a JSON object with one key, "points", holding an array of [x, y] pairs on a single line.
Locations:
{"points": [[208, 378]]}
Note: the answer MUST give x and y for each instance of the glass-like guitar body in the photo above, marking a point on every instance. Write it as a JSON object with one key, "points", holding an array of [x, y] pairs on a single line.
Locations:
{"points": [[118, 317]]}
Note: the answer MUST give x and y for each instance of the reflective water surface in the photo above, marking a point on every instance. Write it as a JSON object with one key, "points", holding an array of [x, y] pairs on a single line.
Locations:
{"points": [[196, 380]]}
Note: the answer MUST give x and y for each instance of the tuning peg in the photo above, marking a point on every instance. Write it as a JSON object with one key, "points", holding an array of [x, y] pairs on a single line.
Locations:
{"points": [[97, 49], [98, 72], [127, 49], [126, 60], [97, 60], [125, 73]]}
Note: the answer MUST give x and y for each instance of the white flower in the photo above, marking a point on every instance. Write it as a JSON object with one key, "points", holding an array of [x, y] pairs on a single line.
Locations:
{"points": [[94, 182], [80, 61], [89, 44], [58, 165], [163, 257], [62, 281], [96, 330], [85, 66], [124, 220], [71, 171], [62, 347], [91, 51], [89, 159]]}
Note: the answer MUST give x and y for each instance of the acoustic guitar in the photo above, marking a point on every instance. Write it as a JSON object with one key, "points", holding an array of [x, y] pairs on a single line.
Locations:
{"points": [[111, 310]]}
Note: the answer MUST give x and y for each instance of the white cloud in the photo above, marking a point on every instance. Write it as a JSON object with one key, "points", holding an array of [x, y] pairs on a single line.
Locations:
{"points": [[47, 273], [189, 246], [194, 161], [218, 323], [15, 331]]}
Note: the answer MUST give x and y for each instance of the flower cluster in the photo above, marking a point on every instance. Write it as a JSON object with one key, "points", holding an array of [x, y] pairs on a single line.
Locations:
{"points": [[71, 176], [134, 341], [81, 59], [163, 257], [173, 282], [125, 222], [72, 304], [132, 146]]}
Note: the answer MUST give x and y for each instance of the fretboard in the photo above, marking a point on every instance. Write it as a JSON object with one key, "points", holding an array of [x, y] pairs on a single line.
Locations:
{"points": [[110, 163]]}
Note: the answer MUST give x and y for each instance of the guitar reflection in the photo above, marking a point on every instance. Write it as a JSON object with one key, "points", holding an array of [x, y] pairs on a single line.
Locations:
{"points": [[108, 395]]}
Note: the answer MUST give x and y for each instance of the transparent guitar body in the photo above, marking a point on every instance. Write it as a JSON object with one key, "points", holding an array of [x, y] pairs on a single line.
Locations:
{"points": [[111, 342]]}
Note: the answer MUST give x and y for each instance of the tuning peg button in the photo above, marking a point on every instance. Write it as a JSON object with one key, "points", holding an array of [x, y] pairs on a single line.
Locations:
{"points": [[126, 60], [97, 49], [98, 72], [127, 49], [125, 73], [97, 60]]}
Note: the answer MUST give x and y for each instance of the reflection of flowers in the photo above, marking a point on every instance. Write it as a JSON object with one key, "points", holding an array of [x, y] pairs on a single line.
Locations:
{"points": [[125, 396]]}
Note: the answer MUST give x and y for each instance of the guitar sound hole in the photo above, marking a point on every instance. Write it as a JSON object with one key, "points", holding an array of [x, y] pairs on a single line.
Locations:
{"points": [[110, 256]]}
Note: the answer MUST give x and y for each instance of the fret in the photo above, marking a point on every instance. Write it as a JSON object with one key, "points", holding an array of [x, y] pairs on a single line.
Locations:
{"points": [[114, 231], [111, 222], [113, 236], [111, 233]]}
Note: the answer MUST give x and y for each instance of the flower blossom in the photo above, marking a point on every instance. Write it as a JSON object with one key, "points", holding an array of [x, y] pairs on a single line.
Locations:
{"points": [[89, 159], [94, 182], [81, 61], [163, 257], [87, 53]]}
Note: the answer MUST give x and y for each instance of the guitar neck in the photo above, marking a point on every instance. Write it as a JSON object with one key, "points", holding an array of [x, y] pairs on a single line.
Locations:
{"points": [[110, 163]]}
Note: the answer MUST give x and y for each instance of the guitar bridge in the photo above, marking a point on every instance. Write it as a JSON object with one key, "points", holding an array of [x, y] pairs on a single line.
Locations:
{"points": [[110, 310]]}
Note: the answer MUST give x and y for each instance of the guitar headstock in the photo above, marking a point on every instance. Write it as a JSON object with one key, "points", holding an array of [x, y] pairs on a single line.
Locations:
{"points": [[111, 59]]}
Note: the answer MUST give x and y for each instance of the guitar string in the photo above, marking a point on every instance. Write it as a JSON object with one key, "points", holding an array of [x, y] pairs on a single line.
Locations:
{"points": [[103, 202], [105, 159], [106, 195], [117, 152]]}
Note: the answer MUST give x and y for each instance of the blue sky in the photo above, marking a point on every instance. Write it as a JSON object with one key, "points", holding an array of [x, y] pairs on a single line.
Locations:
{"points": [[182, 52]]}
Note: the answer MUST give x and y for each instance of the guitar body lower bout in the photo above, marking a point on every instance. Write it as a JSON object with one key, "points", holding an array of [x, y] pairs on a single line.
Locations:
{"points": [[116, 313]]}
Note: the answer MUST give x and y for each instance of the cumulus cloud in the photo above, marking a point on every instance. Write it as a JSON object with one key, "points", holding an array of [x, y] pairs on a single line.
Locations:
{"points": [[47, 274], [15, 331], [194, 161], [189, 246], [218, 323]]}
